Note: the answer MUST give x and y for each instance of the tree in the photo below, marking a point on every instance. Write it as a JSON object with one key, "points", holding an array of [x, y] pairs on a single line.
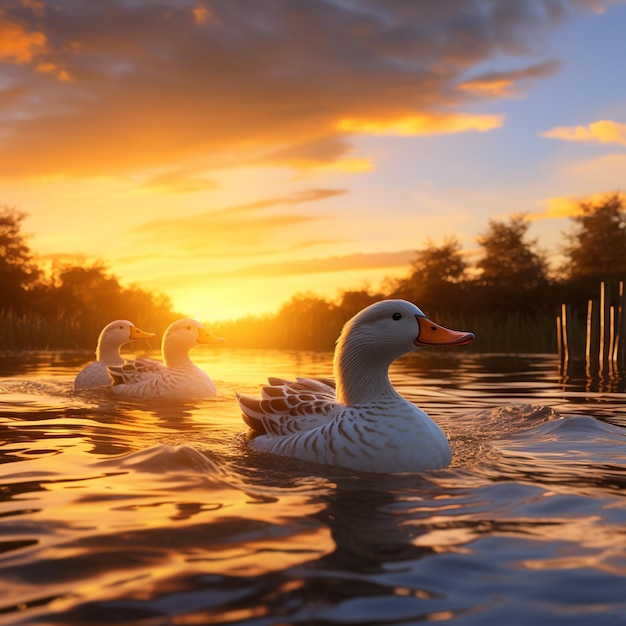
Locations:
{"points": [[90, 297], [513, 274], [437, 277], [351, 301], [305, 322], [596, 249], [18, 271]]}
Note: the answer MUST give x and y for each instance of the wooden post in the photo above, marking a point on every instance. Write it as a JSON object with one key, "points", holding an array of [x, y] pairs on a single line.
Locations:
{"points": [[605, 325], [565, 330], [559, 339], [593, 336], [619, 353], [612, 340]]}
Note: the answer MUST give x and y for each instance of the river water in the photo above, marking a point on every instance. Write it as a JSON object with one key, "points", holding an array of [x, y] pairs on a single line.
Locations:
{"points": [[132, 513]]}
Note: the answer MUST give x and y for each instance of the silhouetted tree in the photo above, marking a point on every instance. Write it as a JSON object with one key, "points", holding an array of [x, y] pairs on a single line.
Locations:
{"points": [[437, 277], [513, 275], [87, 298], [18, 270], [305, 322], [596, 249], [350, 302]]}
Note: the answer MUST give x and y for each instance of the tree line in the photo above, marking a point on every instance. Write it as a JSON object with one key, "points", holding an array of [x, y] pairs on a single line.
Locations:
{"points": [[67, 305], [509, 296]]}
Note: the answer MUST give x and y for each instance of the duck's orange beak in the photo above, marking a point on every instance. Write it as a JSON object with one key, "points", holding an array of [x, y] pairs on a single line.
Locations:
{"points": [[432, 334], [206, 337], [137, 333]]}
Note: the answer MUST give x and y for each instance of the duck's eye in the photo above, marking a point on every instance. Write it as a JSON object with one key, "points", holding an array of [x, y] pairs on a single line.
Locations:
{"points": [[188, 327], [396, 316]]}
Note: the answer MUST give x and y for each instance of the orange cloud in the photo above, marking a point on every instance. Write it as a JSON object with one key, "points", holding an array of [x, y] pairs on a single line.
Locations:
{"points": [[425, 124], [201, 14], [21, 46], [501, 86], [362, 261], [561, 207], [176, 182], [507, 84], [603, 131], [17, 44], [343, 263], [159, 85], [237, 231], [348, 165]]}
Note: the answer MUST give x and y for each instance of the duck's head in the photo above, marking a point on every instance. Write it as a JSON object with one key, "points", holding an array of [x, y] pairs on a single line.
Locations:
{"points": [[120, 332], [388, 329], [186, 333]]}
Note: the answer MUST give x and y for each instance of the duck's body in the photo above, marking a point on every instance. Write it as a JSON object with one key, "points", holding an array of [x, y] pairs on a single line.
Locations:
{"points": [[112, 337], [363, 424], [177, 377]]}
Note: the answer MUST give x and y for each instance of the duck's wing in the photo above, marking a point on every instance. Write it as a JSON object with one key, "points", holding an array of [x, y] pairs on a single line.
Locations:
{"points": [[288, 407], [91, 376], [135, 371]]}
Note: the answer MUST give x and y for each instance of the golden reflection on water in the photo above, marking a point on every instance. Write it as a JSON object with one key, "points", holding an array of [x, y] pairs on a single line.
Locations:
{"points": [[162, 507]]}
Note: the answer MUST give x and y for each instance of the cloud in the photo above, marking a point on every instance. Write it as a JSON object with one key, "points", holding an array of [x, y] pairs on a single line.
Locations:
{"points": [[18, 44], [24, 45], [173, 181], [508, 84], [603, 131], [431, 124], [358, 261], [238, 231], [561, 207], [315, 265], [135, 87]]}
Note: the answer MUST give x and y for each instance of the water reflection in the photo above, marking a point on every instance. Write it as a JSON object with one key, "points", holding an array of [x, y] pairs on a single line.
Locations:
{"points": [[577, 375], [118, 512]]}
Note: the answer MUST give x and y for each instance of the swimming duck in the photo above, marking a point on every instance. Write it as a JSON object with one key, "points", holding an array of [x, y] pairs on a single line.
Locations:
{"points": [[112, 337], [176, 378], [359, 422]]}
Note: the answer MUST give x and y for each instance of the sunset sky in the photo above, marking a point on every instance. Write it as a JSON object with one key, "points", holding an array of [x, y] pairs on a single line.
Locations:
{"points": [[230, 153]]}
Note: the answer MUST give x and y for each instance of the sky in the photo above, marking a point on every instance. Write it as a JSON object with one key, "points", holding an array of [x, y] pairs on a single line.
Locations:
{"points": [[232, 153]]}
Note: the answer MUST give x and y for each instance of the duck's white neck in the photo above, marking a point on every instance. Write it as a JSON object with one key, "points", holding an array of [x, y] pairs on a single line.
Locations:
{"points": [[108, 352], [361, 373], [175, 354]]}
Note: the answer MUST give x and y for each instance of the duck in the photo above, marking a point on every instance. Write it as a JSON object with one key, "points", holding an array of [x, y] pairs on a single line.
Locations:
{"points": [[357, 421], [112, 337], [176, 377]]}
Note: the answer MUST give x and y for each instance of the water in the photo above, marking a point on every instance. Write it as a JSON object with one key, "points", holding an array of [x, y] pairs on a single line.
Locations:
{"points": [[129, 513]]}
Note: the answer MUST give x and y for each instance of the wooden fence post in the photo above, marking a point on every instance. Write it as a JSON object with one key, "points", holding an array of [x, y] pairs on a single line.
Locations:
{"points": [[619, 353], [605, 325], [605, 341], [593, 336]]}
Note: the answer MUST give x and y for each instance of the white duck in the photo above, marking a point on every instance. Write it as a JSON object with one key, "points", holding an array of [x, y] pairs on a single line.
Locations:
{"points": [[176, 378], [363, 424], [112, 337]]}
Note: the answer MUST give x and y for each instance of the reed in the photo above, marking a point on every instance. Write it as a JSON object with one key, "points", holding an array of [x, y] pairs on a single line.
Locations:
{"points": [[36, 332], [511, 334]]}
